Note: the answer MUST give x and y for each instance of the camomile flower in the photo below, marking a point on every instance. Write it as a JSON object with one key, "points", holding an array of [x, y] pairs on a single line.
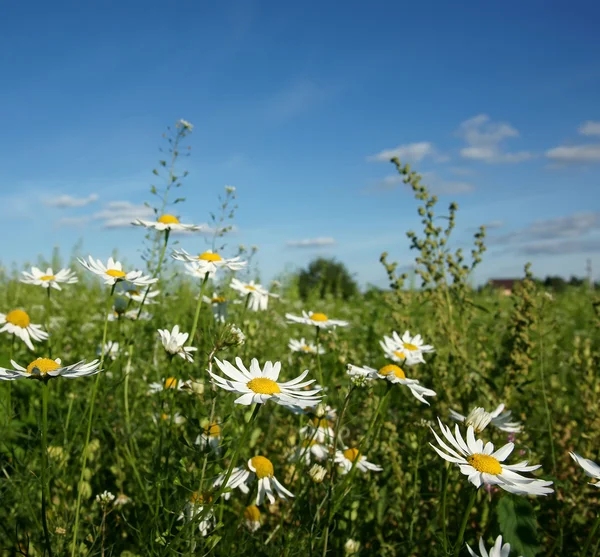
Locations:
{"points": [[257, 386], [346, 458], [44, 369], [113, 272], [252, 518], [131, 314], [181, 123], [310, 449], [257, 296], [406, 348], [174, 343], [259, 467], [138, 296], [208, 262], [18, 323], [167, 222], [111, 350], [395, 374], [479, 419], [303, 346], [498, 550], [177, 418], [316, 319], [589, 467], [194, 508], [49, 279], [319, 429], [168, 383], [482, 465], [210, 437]]}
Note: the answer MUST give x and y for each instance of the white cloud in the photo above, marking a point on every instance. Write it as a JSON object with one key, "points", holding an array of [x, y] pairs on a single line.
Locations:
{"points": [[311, 243], [589, 128], [431, 179], [485, 138], [494, 224], [120, 214], [575, 153], [411, 152], [66, 201]]}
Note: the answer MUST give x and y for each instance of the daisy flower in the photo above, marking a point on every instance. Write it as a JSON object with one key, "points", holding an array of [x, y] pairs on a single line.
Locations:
{"points": [[316, 319], [479, 419], [319, 429], [208, 262], [193, 508], [113, 272], [167, 222], [111, 349], [45, 368], [138, 296], [210, 437], [405, 348], [303, 346], [256, 294], [132, 315], [309, 449], [174, 343], [257, 386], [18, 323], [168, 383], [252, 518], [498, 550], [257, 467], [395, 374], [589, 467], [178, 419], [482, 465], [346, 458], [49, 278]]}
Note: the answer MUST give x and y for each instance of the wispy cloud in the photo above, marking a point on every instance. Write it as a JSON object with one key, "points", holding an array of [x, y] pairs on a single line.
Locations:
{"points": [[410, 152], [589, 128], [485, 141], [67, 201], [591, 245], [310, 243], [120, 214], [575, 154], [494, 224]]}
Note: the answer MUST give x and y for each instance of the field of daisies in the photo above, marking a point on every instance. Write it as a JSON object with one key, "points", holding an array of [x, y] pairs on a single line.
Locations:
{"points": [[184, 408]]}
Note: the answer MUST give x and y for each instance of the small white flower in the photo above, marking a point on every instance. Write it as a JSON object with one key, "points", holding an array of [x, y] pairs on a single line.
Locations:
{"points": [[311, 449], [113, 272], [18, 323], [316, 320], [497, 418], [174, 343], [192, 509], [498, 550], [185, 125], [138, 296], [49, 278], [252, 518], [304, 346], [167, 222], [257, 296], [348, 456], [105, 498], [317, 473], [351, 547], [208, 262], [230, 189], [122, 500], [210, 437], [168, 383], [257, 467], [590, 468], [45, 368], [405, 348]]}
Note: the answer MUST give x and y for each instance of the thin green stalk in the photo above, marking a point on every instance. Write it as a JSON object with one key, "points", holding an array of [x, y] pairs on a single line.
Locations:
{"points": [[546, 405], [588, 542], [89, 426], [45, 490], [126, 390], [47, 319], [415, 486], [463, 524], [443, 508], [197, 314], [318, 338]]}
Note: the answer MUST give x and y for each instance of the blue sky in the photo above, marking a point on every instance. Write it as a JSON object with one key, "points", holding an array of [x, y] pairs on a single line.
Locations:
{"points": [[299, 106]]}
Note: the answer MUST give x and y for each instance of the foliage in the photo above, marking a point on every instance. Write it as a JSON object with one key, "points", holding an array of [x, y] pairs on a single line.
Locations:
{"points": [[326, 277]]}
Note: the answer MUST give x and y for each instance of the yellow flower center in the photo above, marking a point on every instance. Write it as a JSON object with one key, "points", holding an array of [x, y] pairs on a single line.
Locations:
{"points": [[47, 277], [134, 292], [263, 386], [115, 273], [392, 370], [41, 366], [318, 317], [308, 442], [170, 383], [208, 256], [351, 454], [252, 513], [306, 348], [409, 346], [199, 499], [168, 219], [400, 355], [263, 467], [213, 430], [18, 318], [485, 463], [218, 300], [249, 287], [322, 423]]}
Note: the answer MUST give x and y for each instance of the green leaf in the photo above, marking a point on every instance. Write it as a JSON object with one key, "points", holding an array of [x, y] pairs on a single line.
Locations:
{"points": [[518, 525], [179, 200]]}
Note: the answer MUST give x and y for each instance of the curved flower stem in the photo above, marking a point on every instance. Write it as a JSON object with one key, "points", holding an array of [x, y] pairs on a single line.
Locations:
{"points": [[590, 537], [47, 319], [318, 337], [89, 426], [45, 491], [463, 524], [156, 273], [197, 314]]}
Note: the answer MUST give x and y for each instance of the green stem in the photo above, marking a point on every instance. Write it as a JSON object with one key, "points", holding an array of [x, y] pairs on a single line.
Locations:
{"points": [[590, 537], [546, 405], [197, 314], [45, 490], [47, 318], [126, 390], [463, 524], [89, 426], [443, 509], [318, 336]]}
